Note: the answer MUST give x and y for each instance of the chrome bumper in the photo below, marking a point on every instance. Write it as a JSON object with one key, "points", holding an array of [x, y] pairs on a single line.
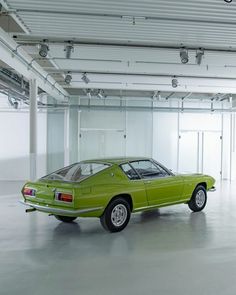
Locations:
{"points": [[58, 211], [213, 189]]}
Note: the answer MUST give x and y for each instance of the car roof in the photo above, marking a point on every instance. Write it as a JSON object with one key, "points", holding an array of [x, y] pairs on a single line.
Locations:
{"points": [[118, 160]]}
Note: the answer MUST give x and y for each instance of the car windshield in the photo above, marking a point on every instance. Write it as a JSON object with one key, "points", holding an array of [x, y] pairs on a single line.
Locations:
{"points": [[76, 172]]}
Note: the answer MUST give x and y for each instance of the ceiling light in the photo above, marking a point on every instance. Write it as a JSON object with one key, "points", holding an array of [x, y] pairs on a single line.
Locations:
{"points": [[43, 50], [68, 78], [89, 93], [183, 55], [199, 55], [154, 96], [15, 105], [228, 1], [100, 94], [85, 78], [212, 105], [69, 49], [174, 83]]}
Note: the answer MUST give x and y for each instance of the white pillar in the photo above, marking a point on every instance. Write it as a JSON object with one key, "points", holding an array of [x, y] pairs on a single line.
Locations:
{"points": [[66, 137], [33, 128]]}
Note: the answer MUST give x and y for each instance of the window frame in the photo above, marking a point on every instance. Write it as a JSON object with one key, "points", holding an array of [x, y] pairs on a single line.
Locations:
{"points": [[128, 163], [156, 164]]}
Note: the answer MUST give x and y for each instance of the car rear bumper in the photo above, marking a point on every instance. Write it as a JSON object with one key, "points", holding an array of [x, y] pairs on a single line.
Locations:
{"points": [[59, 211]]}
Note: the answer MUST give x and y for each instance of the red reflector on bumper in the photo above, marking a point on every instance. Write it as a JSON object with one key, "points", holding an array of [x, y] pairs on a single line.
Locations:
{"points": [[64, 197]]}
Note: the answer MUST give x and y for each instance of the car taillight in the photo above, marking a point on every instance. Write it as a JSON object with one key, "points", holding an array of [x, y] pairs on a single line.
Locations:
{"points": [[28, 191], [64, 197]]}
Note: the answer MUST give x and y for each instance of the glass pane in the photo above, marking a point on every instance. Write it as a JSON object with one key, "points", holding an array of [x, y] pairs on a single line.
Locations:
{"points": [[146, 169], [76, 172], [129, 171], [162, 170]]}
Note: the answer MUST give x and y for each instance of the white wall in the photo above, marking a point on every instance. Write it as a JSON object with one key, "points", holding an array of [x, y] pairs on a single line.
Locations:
{"points": [[55, 140], [161, 135], [111, 133], [14, 144], [165, 139]]}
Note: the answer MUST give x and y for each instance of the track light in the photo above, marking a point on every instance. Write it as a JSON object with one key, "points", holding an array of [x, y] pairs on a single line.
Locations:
{"points": [[88, 91], [212, 105], [156, 95], [15, 105], [183, 55], [100, 94], [85, 78], [69, 49], [68, 78], [174, 83], [199, 55], [43, 50]]}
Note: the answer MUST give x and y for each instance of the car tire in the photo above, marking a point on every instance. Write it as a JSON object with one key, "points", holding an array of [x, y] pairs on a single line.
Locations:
{"points": [[116, 216], [199, 199], [67, 219]]}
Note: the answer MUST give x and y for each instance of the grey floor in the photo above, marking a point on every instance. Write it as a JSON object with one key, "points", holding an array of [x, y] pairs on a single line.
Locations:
{"points": [[166, 251]]}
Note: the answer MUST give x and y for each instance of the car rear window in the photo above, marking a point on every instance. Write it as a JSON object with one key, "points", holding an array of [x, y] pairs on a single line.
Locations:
{"points": [[76, 172]]}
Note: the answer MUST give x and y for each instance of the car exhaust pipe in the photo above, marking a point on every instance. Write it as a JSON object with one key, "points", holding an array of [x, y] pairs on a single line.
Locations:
{"points": [[30, 210]]}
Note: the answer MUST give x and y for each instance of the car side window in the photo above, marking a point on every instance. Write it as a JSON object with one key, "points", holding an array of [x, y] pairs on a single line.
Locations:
{"points": [[129, 171], [148, 169]]}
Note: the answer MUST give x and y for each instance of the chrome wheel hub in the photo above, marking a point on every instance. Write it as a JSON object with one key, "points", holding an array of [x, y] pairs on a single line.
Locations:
{"points": [[119, 215], [200, 198]]}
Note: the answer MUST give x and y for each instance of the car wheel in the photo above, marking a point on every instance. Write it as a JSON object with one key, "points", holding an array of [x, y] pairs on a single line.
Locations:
{"points": [[198, 199], [65, 218], [116, 216]]}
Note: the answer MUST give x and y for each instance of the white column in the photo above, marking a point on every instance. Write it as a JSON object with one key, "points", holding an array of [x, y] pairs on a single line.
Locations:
{"points": [[66, 137], [33, 128]]}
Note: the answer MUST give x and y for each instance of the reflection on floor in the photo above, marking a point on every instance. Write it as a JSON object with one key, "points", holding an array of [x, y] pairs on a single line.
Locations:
{"points": [[166, 251]]}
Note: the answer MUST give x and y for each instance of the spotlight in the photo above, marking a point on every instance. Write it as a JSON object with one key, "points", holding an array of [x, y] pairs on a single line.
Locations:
{"points": [[15, 105], [199, 55], [68, 78], [174, 83], [228, 1], [85, 78], [43, 50], [212, 105], [184, 55], [100, 94], [154, 96], [69, 49], [89, 93]]}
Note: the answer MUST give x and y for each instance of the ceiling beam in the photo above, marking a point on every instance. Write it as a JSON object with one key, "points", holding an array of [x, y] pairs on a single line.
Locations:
{"points": [[156, 83]]}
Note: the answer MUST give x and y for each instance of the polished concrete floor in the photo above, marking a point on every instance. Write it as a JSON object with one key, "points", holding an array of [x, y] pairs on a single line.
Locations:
{"points": [[166, 251]]}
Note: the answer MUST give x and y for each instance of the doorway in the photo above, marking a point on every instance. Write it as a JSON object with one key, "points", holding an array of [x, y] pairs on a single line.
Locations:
{"points": [[200, 152]]}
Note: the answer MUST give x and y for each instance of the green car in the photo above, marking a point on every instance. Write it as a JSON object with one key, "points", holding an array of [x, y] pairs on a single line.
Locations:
{"points": [[112, 189]]}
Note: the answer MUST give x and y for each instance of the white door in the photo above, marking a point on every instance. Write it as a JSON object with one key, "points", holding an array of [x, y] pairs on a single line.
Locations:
{"points": [[211, 154], [188, 152]]}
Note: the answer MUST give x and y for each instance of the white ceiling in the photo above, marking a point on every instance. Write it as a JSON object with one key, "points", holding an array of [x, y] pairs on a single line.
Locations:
{"points": [[132, 44], [210, 24]]}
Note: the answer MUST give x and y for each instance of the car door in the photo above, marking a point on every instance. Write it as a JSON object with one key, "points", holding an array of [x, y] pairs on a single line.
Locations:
{"points": [[161, 185]]}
